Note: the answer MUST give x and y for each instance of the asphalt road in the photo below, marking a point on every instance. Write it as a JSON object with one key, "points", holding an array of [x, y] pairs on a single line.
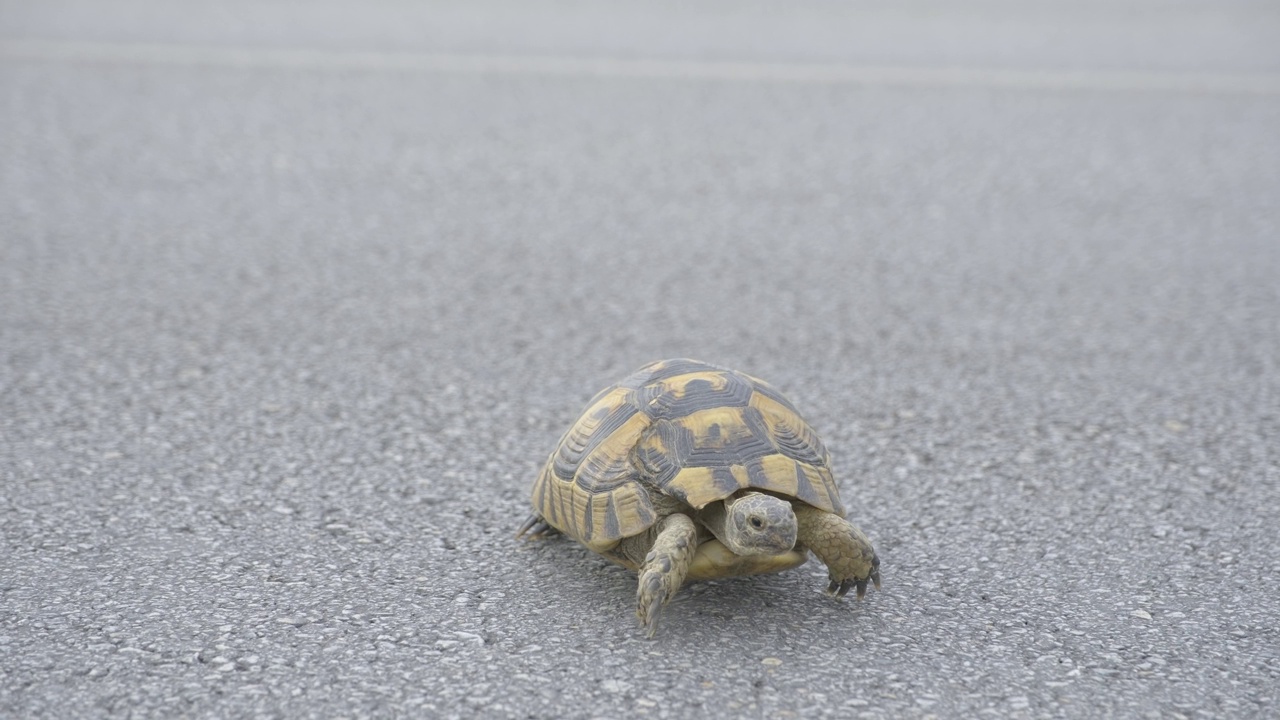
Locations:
{"points": [[294, 300]]}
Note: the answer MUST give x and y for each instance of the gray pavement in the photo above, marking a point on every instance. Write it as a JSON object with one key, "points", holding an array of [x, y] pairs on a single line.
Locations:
{"points": [[285, 332]]}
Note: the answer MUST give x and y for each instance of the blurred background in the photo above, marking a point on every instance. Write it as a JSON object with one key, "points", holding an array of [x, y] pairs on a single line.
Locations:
{"points": [[1172, 35], [296, 297]]}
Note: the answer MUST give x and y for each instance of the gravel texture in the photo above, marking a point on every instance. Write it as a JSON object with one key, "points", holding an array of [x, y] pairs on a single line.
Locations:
{"points": [[281, 349]]}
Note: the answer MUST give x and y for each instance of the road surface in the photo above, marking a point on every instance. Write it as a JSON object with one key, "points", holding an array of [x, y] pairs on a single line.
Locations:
{"points": [[295, 298]]}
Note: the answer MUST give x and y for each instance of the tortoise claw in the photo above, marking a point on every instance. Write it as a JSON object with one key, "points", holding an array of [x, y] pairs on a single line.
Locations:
{"points": [[841, 587], [648, 614], [650, 599], [534, 528]]}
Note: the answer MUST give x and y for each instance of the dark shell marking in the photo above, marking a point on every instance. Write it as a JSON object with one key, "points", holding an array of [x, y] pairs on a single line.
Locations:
{"points": [[694, 431]]}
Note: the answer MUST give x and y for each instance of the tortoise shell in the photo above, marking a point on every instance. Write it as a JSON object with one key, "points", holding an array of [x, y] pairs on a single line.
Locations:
{"points": [[690, 430]]}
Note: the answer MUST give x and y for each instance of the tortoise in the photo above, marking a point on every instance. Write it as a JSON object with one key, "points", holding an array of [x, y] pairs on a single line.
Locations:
{"points": [[689, 471]]}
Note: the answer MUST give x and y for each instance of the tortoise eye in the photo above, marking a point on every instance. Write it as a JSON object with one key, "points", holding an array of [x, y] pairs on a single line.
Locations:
{"points": [[757, 523]]}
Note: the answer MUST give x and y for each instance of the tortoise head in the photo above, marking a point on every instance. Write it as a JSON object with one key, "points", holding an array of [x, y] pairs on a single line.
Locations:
{"points": [[757, 524]]}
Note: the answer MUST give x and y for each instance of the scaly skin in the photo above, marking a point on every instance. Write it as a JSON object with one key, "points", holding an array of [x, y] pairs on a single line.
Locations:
{"points": [[665, 568], [847, 553]]}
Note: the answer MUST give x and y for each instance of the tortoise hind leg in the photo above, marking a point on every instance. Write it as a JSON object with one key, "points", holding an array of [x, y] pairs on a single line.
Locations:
{"points": [[535, 527], [665, 567]]}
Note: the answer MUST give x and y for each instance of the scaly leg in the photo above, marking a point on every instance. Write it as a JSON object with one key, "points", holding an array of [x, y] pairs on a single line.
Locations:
{"points": [[849, 557], [665, 567]]}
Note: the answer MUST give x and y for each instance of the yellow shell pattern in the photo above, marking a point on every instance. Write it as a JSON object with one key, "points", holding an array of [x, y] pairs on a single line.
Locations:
{"points": [[691, 430]]}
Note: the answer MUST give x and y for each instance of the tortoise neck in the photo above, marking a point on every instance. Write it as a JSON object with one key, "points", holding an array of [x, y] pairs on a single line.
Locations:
{"points": [[713, 517], [716, 514]]}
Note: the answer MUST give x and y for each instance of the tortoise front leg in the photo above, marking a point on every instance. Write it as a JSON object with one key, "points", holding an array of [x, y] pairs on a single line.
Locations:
{"points": [[847, 553], [665, 567]]}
